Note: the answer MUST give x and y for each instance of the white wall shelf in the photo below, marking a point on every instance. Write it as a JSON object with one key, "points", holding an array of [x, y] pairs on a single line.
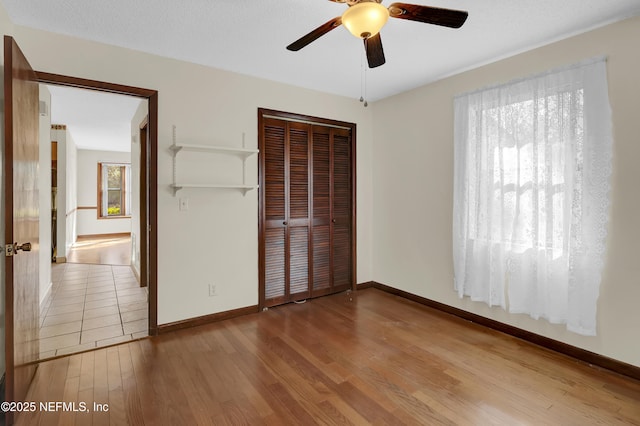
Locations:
{"points": [[243, 153], [244, 188]]}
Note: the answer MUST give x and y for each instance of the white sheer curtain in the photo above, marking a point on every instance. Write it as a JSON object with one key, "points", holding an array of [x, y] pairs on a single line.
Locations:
{"points": [[531, 194]]}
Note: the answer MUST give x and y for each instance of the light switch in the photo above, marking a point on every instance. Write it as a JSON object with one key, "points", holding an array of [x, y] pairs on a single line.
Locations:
{"points": [[184, 204]]}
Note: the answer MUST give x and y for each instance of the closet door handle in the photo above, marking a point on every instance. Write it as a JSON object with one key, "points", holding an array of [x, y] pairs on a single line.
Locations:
{"points": [[333, 220]]}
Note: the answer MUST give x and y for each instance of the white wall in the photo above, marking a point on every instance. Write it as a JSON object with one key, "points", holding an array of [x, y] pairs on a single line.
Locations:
{"points": [[217, 239], [45, 196], [136, 145], [413, 180], [87, 181]]}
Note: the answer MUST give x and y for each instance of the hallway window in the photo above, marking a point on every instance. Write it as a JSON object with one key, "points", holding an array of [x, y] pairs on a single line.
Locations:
{"points": [[114, 189]]}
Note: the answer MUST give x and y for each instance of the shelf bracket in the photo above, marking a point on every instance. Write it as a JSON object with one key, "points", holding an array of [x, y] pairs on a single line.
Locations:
{"points": [[244, 166], [175, 150]]}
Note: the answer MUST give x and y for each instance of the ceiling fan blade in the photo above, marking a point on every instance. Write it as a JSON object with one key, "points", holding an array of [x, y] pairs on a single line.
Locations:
{"points": [[375, 53], [315, 34], [429, 15]]}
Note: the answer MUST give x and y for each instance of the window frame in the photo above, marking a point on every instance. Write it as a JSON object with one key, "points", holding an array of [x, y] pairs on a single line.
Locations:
{"points": [[125, 185]]}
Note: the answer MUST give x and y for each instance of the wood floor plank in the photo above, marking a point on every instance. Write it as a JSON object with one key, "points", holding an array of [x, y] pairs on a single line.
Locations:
{"points": [[69, 395], [117, 412], [100, 390], [129, 386], [373, 358], [148, 383]]}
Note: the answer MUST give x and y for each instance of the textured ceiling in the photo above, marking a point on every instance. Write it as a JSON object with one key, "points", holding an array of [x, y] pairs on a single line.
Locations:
{"points": [[249, 37]]}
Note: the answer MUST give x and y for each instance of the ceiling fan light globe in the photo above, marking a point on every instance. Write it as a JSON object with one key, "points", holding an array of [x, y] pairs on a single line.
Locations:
{"points": [[365, 20]]}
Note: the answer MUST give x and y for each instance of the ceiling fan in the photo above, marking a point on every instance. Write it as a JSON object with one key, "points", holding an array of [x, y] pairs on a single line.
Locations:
{"points": [[365, 18]]}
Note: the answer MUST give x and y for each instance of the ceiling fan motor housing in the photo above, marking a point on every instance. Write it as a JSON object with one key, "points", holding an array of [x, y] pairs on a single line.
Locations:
{"points": [[365, 18]]}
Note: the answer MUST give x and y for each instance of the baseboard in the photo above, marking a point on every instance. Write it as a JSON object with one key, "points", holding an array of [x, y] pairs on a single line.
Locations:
{"points": [[96, 236], [61, 259], [580, 354], [47, 295], [206, 319], [137, 275]]}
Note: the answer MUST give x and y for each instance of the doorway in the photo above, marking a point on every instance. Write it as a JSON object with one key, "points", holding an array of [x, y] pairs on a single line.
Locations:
{"points": [[148, 179], [20, 160], [93, 297]]}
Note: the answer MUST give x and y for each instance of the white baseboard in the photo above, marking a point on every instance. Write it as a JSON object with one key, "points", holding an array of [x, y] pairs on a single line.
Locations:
{"points": [[46, 296]]}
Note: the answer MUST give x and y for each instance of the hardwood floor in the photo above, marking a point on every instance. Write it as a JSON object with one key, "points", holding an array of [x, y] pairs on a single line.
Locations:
{"points": [[376, 359], [102, 250]]}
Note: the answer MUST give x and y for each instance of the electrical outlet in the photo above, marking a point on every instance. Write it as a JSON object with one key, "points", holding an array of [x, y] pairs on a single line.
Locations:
{"points": [[184, 204], [212, 290]]}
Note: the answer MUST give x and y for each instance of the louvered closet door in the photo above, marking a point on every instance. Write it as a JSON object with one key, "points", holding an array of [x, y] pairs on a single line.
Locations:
{"points": [[321, 230], [274, 210], [306, 204], [286, 211], [298, 221], [341, 210], [331, 231]]}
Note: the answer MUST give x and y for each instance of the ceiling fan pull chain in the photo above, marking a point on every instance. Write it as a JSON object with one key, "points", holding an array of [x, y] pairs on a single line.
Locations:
{"points": [[366, 104], [361, 76]]}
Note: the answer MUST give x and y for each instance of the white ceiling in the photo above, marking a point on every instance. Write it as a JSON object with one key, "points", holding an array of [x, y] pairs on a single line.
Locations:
{"points": [[96, 120], [249, 37]]}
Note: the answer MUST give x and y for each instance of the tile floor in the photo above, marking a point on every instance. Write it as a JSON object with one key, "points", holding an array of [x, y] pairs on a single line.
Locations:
{"points": [[91, 306]]}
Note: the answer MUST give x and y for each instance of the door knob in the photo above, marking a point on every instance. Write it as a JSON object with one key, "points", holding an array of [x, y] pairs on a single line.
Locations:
{"points": [[23, 247], [284, 223], [333, 220]]}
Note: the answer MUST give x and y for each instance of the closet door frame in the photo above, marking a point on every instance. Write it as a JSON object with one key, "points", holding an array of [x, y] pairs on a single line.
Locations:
{"points": [[264, 113]]}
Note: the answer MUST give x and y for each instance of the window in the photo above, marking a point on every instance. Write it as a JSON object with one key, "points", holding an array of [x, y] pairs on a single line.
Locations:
{"points": [[532, 164], [529, 142], [114, 189]]}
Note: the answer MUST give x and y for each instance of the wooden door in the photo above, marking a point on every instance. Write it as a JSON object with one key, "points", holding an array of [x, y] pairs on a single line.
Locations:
{"points": [[306, 219], [332, 210], [341, 210], [21, 221], [285, 212]]}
